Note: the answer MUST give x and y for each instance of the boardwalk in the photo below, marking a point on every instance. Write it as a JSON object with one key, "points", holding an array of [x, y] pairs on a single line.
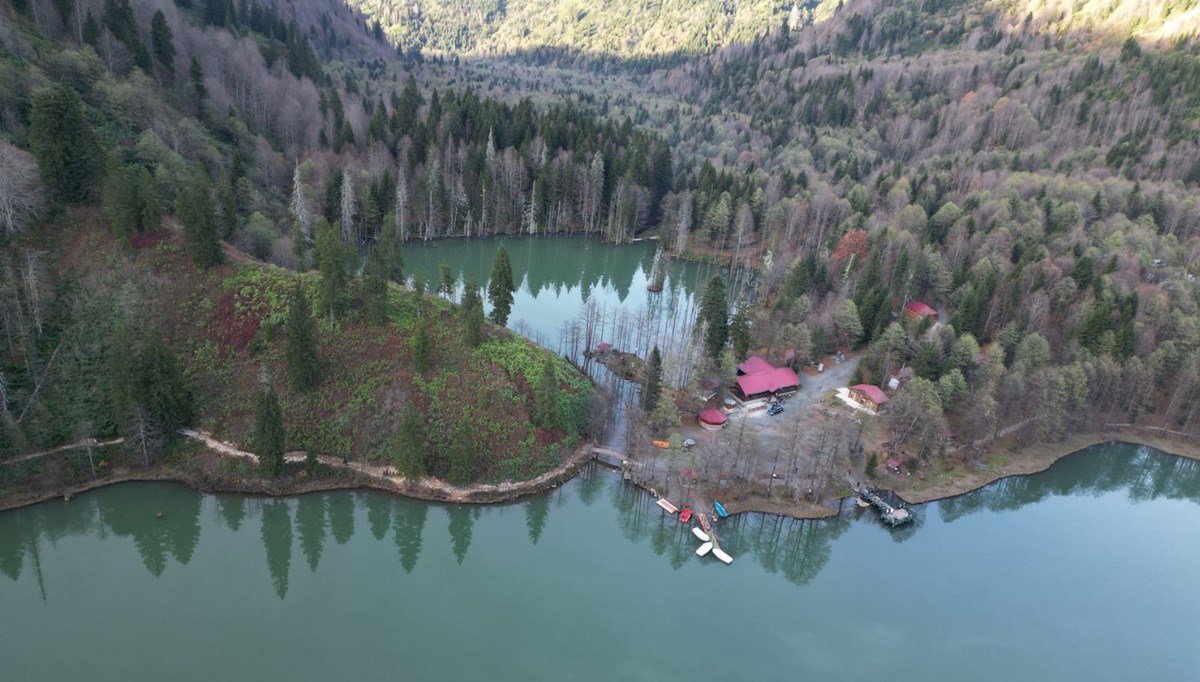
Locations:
{"points": [[893, 516]]}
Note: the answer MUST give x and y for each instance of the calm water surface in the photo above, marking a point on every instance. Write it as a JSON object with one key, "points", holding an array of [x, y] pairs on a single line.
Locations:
{"points": [[556, 275], [1085, 572]]}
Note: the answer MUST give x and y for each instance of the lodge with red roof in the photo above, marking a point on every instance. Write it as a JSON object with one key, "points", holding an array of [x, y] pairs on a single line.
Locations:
{"points": [[759, 380], [869, 396], [917, 310]]}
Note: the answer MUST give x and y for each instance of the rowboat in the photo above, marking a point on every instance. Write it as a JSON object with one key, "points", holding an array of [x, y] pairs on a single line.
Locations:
{"points": [[700, 535], [720, 554], [685, 515], [667, 506], [704, 549], [720, 509], [661, 444]]}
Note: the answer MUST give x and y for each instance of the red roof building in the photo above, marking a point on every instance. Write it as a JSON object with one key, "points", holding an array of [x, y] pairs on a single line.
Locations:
{"points": [[712, 418], [869, 396], [764, 384], [918, 310], [755, 365]]}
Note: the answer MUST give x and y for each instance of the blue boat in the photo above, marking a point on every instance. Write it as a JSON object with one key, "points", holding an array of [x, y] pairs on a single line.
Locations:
{"points": [[720, 509]]}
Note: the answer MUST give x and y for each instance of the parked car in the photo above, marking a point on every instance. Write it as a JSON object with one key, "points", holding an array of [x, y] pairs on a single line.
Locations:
{"points": [[775, 409]]}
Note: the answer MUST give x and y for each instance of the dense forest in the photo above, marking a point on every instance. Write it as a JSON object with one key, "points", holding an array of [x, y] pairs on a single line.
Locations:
{"points": [[1027, 169], [650, 31]]}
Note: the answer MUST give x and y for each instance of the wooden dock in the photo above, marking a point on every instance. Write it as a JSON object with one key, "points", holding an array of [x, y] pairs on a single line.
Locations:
{"points": [[892, 516]]}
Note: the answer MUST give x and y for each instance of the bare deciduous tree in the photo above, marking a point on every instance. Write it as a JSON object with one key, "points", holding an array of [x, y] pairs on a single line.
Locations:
{"points": [[21, 197]]}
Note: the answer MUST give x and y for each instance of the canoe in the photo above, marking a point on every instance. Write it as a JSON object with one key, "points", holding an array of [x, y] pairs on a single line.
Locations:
{"points": [[720, 554], [720, 509], [704, 549], [667, 506], [685, 515], [661, 444], [700, 535]]}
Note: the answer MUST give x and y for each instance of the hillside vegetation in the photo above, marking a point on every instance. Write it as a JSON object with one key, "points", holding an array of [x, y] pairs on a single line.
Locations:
{"points": [[617, 28]]}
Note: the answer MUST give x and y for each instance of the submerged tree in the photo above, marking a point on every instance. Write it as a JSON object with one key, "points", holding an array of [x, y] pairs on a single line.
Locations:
{"points": [[501, 288]]}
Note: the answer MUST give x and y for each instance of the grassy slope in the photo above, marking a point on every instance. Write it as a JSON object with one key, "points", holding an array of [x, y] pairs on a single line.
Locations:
{"points": [[227, 325]]}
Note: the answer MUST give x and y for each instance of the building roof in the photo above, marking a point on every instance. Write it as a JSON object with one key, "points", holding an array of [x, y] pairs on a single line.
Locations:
{"points": [[755, 365], [602, 347], [767, 382], [713, 416], [920, 309], [873, 392], [893, 462]]}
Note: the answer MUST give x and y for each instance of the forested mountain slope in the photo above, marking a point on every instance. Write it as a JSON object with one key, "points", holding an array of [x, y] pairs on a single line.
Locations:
{"points": [[616, 28]]}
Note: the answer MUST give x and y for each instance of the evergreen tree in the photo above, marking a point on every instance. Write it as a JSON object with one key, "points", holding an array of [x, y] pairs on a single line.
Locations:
{"points": [[393, 257], [196, 73], [739, 334], [501, 288], [67, 148], [421, 347], [545, 398], [132, 201], [159, 386], [198, 214], [462, 456], [91, 30], [446, 280], [331, 263], [268, 432], [375, 288], [471, 310], [714, 314], [304, 369], [797, 281], [653, 387], [163, 41], [409, 456]]}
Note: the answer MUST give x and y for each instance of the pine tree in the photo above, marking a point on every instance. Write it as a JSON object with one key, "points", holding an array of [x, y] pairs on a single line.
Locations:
{"points": [[304, 369], [653, 387], [67, 148], [375, 288], [739, 334], [545, 398], [409, 456], [269, 435], [446, 280], [163, 41], [421, 347], [331, 263], [159, 386], [198, 214], [714, 314], [393, 257], [471, 310], [501, 288], [91, 30]]}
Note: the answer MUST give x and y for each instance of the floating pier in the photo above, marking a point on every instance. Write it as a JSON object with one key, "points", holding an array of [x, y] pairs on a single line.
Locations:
{"points": [[706, 525], [892, 516]]}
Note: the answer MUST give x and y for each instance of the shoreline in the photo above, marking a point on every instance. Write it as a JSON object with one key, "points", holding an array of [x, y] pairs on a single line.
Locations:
{"points": [[1018, 461], [362, 478]]}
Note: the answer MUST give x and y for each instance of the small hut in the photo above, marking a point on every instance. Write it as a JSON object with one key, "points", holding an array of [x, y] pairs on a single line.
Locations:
{"points": [[712, 419]]}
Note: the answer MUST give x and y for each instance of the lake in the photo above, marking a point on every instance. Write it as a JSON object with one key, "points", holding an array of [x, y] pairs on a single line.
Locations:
{"points": [[1084, 572]]}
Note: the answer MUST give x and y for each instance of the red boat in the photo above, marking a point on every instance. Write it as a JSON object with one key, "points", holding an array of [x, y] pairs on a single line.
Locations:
{"points": [[685, 515]]}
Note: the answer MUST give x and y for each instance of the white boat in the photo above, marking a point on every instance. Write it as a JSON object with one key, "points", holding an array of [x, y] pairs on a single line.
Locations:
{"points": [[667, 506], [700, 535], [704, 549], [720, 554]]}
